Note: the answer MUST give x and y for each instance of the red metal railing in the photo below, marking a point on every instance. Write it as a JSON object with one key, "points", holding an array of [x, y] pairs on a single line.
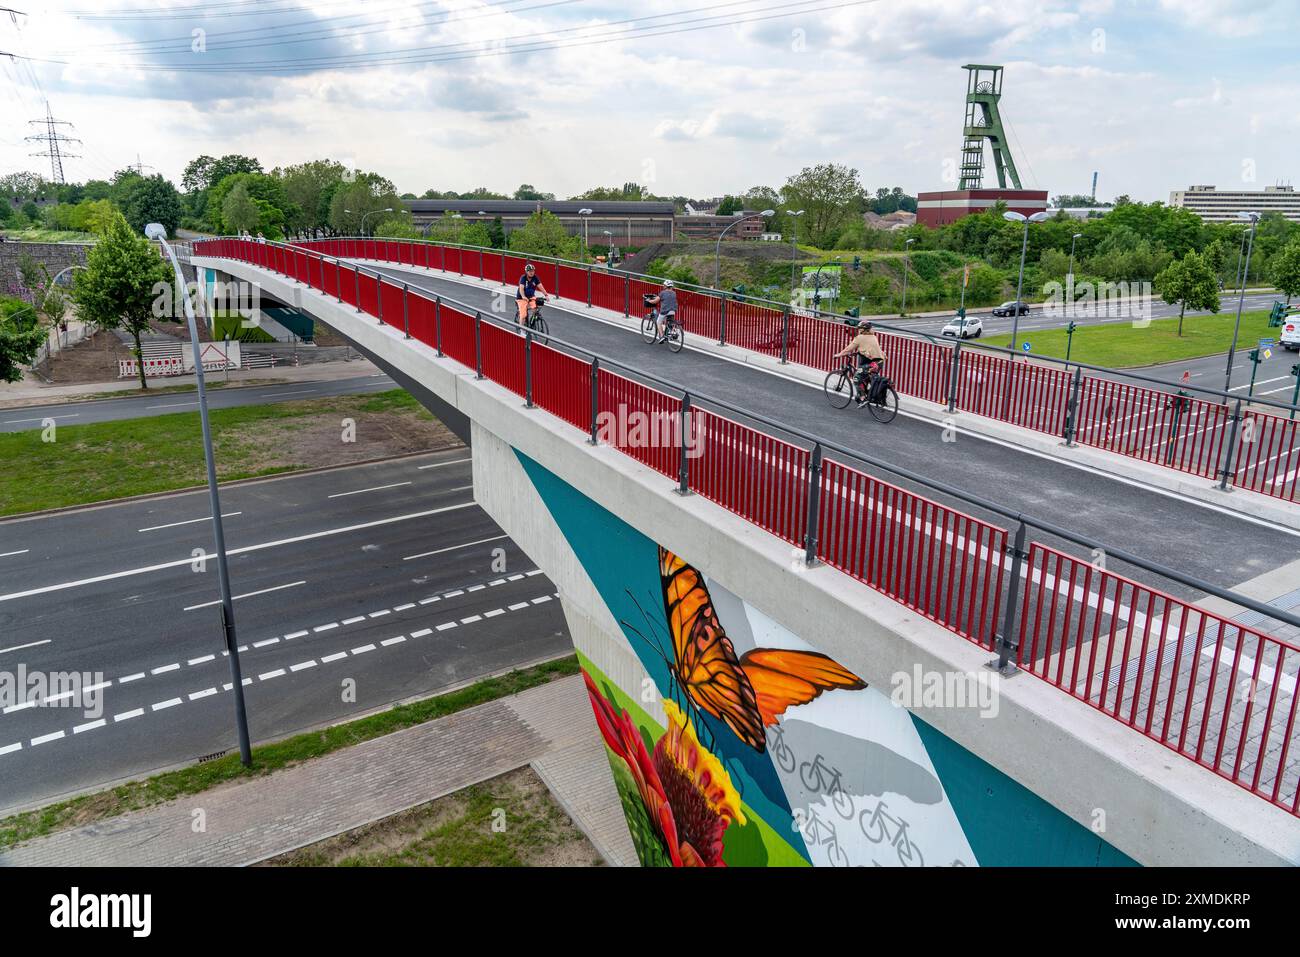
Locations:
{"points": [[1216, 691]]}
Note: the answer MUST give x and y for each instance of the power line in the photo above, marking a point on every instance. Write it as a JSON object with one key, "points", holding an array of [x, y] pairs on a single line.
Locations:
{"points": [[53, 139]]}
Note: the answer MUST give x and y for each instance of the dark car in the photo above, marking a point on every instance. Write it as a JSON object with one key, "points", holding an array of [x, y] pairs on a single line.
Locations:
{"points": [[1011, 308]]}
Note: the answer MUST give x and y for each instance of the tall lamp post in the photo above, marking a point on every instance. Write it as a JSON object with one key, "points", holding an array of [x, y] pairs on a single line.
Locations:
{"points": [[156, 232], [1238, 279], [1069, 276], [1020, 281], [907, 251], [717, 251], [364, 216], [794, 246], [1241, 297], [586, 220]]}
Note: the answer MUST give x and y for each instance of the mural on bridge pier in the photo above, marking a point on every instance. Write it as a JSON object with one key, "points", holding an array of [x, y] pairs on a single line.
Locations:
{"points": [[770, 753]]}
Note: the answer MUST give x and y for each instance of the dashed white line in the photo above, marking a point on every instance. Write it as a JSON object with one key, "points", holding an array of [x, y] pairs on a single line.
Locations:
{"points": [[393, 641], [174, 666], [349, 621], [379, 614], [169, 703], [23, 551], [494, 612], [127, 715], [328, 658], [251, 594], [303, 665], [129, 678], [89, 726], [30, 644], [43, 739], [422, 632], [363, 649], [10, 748], [199, 661], [517, 605], [319, 628], [377, 488], [421, 468], [271, 674], [543, 598], [439, 551], [446, 625], [475, 588], [263, 644], [295, 634], [471, 619], [453, 594], [205, 693], [192, 521], [404, 607]]}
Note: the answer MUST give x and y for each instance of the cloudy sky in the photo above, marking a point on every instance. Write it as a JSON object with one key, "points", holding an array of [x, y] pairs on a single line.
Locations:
{"points": [[692, 97]]}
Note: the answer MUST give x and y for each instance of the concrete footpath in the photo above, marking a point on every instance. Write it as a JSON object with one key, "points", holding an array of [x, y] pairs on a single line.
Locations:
{"points": [[550, 728]]}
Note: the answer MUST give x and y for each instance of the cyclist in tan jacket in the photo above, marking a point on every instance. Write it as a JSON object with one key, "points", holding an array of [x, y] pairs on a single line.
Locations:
{"points": [[871, 358]]}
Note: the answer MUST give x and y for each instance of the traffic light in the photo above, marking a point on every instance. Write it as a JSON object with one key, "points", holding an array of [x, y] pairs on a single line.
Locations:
{"points": [[1069, 330], [857, 263], [1278, 313], [852, 313], [1253, 355]]}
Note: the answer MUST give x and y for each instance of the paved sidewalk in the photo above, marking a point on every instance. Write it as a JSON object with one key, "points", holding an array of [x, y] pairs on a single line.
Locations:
{"points": [[32, 391], [550, 727]]}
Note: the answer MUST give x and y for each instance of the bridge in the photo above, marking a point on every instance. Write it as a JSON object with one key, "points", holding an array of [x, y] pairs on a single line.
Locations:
{"points": [[1044, 617]]}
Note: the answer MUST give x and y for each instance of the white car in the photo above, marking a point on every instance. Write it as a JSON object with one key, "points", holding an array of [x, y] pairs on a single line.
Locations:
{"points": [[968, 328], [1290, 337]]}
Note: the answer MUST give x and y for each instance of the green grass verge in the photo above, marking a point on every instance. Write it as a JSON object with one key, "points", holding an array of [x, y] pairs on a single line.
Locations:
{"points": [[1123, 345], [36, 234], [107, 460], [271, 757]]}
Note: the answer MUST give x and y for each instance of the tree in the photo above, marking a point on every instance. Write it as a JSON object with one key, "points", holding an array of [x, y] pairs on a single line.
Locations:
{"points": [[730, 205], [367, 193], [150, 199], [119, 287], [239, 212], [1188, 282], [304, 186], [262, 188], [544, 235], [529, 192], [1284, 272], [497, 234], [21, 336], [828, 193]]}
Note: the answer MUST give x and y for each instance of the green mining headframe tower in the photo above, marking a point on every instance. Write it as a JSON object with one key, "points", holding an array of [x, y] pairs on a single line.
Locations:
{"points": [[983, 122]]}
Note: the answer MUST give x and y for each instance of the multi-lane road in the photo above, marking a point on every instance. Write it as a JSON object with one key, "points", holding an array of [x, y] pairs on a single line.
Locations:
{"points": [[21, 418], [355, 588]]}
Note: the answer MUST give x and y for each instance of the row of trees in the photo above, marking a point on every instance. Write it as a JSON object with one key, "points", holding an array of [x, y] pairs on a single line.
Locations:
{"points": [[88, 207]]}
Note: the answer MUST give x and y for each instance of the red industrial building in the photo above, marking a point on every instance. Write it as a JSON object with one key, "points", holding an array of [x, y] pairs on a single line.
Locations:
{"points": [[941, 207]]}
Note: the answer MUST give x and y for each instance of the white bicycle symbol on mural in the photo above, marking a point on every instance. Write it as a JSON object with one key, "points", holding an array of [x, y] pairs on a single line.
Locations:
{"points": [[813, 829], [820, 777], [875, 825]]}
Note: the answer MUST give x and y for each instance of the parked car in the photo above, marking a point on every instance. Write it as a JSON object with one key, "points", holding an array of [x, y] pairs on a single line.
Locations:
{"points": [[967, 328], [1011, 308], [1290, 337]]}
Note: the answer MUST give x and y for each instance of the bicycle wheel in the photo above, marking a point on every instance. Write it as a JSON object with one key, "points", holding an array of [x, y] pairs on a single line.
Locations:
{"points": [[886, 408], [676, 338], [540, 330], [839, 389], [649, 330]]}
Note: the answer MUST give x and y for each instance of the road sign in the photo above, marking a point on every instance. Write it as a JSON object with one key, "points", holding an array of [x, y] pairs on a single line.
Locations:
{"points": [[1025, 346]]}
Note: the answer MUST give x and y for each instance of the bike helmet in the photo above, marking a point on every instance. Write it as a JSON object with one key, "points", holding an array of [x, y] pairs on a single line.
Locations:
{"points": [[529, 267], [668, 283]]}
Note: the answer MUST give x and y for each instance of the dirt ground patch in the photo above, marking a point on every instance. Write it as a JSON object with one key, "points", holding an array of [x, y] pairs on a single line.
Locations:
{"points": [[508, 821], [92, 360]]}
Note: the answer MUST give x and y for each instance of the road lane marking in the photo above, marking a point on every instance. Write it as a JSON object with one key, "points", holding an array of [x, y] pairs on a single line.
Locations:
{"points": [[89, 726], [23, 551], [174, 666], [377, 488], [263, 644], [199, 661], [439, 465], [30, 644], [440, 551], [128, 678], [310, 536], [295, 634], [268, 395], [348, 621], [332, 625], [422, 632], [392, 641], [363, 649], [404, 607], [205, 693], [271, 674], [446, 625], [10, 748], [379, 614], [251, 594], [63, 415], [127, 715], [173, 405], [335, 657], [43, 739], [303, 665], [192, 521], [169, 703]]}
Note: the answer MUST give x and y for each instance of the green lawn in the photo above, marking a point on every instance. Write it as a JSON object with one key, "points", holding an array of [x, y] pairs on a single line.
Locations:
{"points": [[270, 757], [1123, 345], [41, 235], [107, 460]]}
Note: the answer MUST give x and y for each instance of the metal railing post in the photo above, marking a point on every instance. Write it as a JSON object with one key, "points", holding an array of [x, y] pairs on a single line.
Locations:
{"points": [[785, 333], [722, 322], [480, 266], [626, 293], [955, 364], [1003, 640], [1072, 408], [478, 345], [338, 281], [588, 287], [1229, 456], [557, 280], [503, 268], [595, 401], [528, 368], [356, 274], [437, 326], [406, 311], [814, 505], [379, 298], [683, 460]]}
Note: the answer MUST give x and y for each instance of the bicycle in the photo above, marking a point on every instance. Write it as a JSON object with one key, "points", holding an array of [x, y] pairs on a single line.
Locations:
{"points": [[841, 389], [674, 335], [535, 321]]}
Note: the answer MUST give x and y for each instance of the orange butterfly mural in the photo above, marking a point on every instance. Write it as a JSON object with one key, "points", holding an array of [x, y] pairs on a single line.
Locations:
{"points": [[746, 693]]}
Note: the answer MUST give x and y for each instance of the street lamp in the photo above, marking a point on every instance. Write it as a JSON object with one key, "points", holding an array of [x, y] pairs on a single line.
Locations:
{"points": [[609, 257], [1241, 252], [365, 215], [717, 251], [156, 232], [1069, 276], [1020, 282], [1241, 297], [817, 282], [584, 213], [907, 250], [794, 246]]}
